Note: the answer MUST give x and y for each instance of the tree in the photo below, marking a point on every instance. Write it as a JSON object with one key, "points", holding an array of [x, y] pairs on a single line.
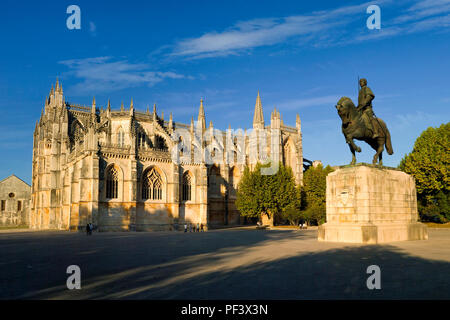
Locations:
{"points": [[314, 194], [248, 194], [292, 212], [429, 164], [267, 194]]}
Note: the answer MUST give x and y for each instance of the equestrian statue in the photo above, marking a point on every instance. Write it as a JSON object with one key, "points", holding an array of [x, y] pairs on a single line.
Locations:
{"points": [[360, 123]]}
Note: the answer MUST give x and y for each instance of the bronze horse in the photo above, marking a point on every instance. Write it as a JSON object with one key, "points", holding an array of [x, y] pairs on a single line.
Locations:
{"points": [[353, 128]]}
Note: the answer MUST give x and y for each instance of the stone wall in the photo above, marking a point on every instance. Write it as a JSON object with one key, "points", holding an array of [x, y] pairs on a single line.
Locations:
{"points": [[371, 204], [75, 146], [15, 202]]}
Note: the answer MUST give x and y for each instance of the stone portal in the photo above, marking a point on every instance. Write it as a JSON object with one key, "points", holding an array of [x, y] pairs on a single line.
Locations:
{"points": [[371, 204]]}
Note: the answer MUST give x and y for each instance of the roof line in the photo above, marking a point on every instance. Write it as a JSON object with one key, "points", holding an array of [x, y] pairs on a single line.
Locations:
{"points": [[16, 177]]}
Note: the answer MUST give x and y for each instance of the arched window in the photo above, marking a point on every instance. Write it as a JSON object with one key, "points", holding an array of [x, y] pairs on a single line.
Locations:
{"points": [[142, 139], [290, 155], [77, 132], [152, 185], [112, 183], [120, 138], [187, 187]]}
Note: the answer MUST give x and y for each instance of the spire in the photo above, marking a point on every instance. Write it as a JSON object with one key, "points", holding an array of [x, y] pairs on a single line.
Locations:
{"points": [[121, 106], [93, 105], [275, 113], [258, 117], [131, 107], [192, 124], [201, 116], [298, 123], [154, 111], [109, 106], [170, 122], [148, 109], [162, 115]]}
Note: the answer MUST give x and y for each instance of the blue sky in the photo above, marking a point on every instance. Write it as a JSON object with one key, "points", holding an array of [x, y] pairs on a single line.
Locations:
{"points": [[302, 56]]}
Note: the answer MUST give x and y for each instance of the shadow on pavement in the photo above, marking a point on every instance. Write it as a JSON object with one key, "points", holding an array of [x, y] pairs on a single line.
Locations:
{"points": [[214, 265]]}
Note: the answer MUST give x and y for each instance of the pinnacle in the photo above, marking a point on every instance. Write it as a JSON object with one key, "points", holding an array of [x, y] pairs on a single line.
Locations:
{"points": [[258, 117]]}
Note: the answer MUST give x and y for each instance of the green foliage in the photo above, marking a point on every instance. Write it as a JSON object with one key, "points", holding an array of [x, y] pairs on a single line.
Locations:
{"points": [[292, 212], [248, 194], [315, 186], [437, 210], [429, 164], [314, 194], [267, 194], [315, 214]]}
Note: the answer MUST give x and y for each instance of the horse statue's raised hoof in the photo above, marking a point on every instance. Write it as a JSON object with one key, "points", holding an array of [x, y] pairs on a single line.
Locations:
{"points": [[358, 149]]}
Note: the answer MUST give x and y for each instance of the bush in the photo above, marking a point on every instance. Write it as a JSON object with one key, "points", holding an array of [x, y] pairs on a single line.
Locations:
{"points": [[431, 213], [315, 215], [293, 215]]}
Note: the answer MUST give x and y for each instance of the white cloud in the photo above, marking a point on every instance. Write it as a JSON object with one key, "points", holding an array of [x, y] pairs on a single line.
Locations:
{"points": [[104, 74], [322, 28], [269, 31]]}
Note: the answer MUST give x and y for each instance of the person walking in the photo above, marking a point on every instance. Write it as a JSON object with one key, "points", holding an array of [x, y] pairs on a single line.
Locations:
{"points": [[198, 227], [201, 227], [185, 227], [87, 229]]}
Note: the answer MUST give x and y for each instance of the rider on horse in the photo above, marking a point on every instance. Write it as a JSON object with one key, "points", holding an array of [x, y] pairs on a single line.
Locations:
{"points": [[365, 98]]}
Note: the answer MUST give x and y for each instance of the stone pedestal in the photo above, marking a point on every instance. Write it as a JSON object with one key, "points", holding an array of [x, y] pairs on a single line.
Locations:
{"points": [[371, 204]]}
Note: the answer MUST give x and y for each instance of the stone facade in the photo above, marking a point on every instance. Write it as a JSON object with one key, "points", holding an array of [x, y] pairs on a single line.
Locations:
{"points": [[15, 197], [370, 204], [116, 168]]}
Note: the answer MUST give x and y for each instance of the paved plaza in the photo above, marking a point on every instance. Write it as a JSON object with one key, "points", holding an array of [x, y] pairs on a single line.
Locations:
{"points": [[219, 264]]}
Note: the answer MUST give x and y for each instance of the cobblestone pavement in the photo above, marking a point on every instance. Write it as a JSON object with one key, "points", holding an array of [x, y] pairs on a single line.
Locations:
{"points": [[220, 264]]}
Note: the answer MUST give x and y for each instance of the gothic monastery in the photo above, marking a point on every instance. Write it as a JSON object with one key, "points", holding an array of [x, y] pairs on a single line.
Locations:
{"points": [[115, 168]]}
